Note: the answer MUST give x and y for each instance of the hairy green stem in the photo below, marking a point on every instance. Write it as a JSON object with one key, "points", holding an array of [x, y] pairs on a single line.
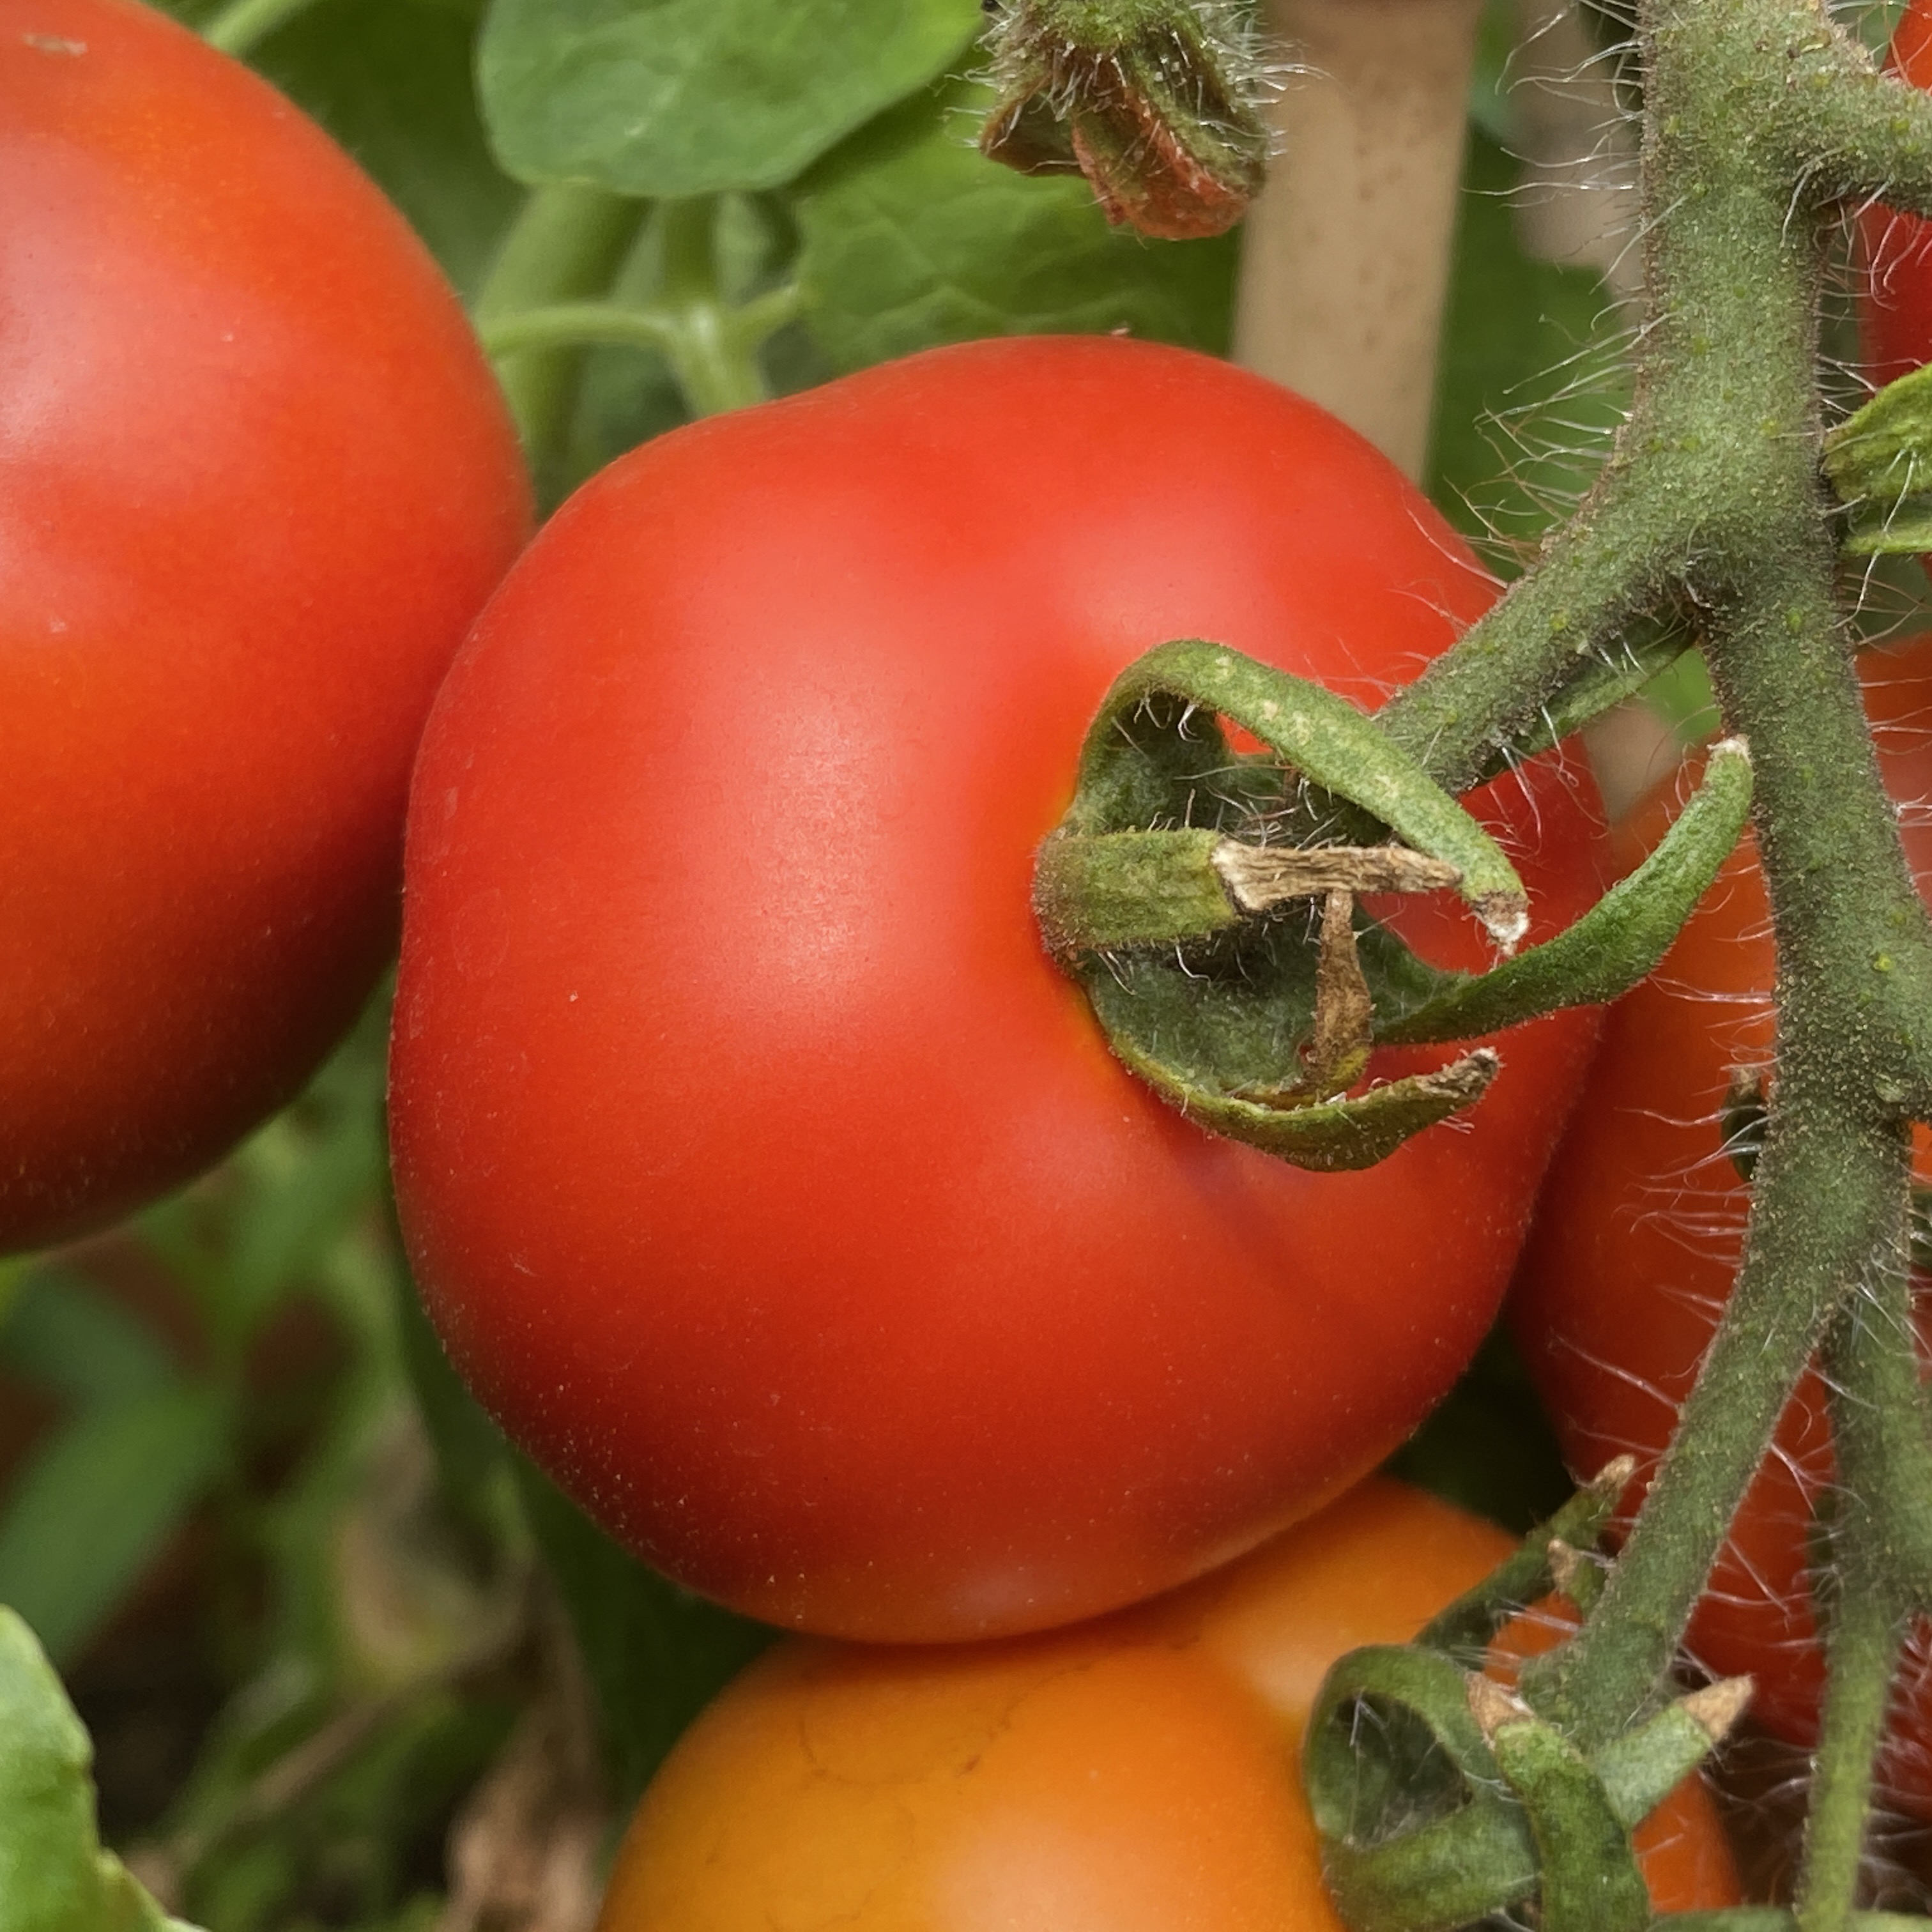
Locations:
{"points": [[1798, 1266], [1867, 1625], [1713, 497], [1880, 1425], [565, 245], [1881, 1566], [1606, 570]]}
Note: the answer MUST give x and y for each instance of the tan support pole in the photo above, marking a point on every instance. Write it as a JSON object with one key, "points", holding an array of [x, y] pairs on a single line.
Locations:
{"points": [[1346, 253]]}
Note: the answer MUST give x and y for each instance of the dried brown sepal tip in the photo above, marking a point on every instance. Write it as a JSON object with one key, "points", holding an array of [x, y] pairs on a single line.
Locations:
{"points": [[1154, 101], [1492, 1705]]}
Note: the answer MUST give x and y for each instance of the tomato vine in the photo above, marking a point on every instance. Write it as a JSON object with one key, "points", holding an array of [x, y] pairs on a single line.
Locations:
{"points": [[1713, 520]]}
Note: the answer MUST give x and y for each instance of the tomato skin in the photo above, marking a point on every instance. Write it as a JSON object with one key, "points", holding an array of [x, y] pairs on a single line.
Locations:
{"points": [[1639, 1233], [1895, 307], [764, 1179], [1136, 1774], [255, 481]]}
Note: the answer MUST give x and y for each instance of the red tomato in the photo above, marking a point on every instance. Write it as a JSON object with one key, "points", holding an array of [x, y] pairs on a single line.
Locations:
{"points": [[1895, 314], [1637, 1240], [764, 1178], [1137, 1775], [255, 481]]}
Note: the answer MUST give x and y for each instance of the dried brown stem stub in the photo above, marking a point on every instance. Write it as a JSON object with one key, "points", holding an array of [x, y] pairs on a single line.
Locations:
{"points": [[1154, 101], [1716, 1707], [1260, 877], [1337, 1054], [1613, 1478], [1492, 1706], [1567, 1565]]}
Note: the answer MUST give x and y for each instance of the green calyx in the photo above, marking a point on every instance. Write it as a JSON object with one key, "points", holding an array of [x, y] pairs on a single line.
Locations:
{"points": [[1204, 899], [1154, 101], [1161, 715], [1879, 462], [1441, 1799]]}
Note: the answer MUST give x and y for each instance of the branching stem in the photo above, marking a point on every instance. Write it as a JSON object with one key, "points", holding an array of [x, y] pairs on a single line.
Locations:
{"points": [[565, 246], [1761, 118]]}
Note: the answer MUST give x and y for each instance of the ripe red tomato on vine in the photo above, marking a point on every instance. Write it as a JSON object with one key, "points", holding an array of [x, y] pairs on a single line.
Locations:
{"points": [[1134, 1774], [763, 1177], [256, 479], [1637, 1239]]}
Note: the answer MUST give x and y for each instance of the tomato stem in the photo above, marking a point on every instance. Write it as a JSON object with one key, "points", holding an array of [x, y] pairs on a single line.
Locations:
{"points": [[1866, 1627], [712, 347], [242, 24], [1761, 118], [1880, 1569], [565, 246]]}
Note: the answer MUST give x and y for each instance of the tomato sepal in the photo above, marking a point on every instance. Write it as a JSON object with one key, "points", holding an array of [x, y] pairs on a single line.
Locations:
{"points": [[1620, 940], [1142, 761], [1330, 1136], [1456, 1800], [1589, 1880], [1879, 459], [1119, 877], [1419, 1832], [1535, 1566], [1099, 892], [1154, 101]]}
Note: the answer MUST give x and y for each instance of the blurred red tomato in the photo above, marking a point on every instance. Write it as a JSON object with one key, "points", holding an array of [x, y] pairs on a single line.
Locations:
{"points": [[1895, 304], [255, 481]]}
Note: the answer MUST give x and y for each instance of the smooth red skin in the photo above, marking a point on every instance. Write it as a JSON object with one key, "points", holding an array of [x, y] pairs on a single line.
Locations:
{"points": [[765, 1180], [255, 480], [1637, 1239], [1895, 310]]}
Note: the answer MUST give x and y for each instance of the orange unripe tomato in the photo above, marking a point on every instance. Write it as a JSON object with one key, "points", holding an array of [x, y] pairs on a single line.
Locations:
{"points": [[1137, 1774]]}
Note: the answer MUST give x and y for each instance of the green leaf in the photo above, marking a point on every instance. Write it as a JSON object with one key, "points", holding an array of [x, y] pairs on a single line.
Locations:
{"points": [[1683, 697], [66, 1336], [391, 80], [95, 1503], [912, 239], [54, 1877], [1532, 384], [673, 97], [655, 1654]]}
